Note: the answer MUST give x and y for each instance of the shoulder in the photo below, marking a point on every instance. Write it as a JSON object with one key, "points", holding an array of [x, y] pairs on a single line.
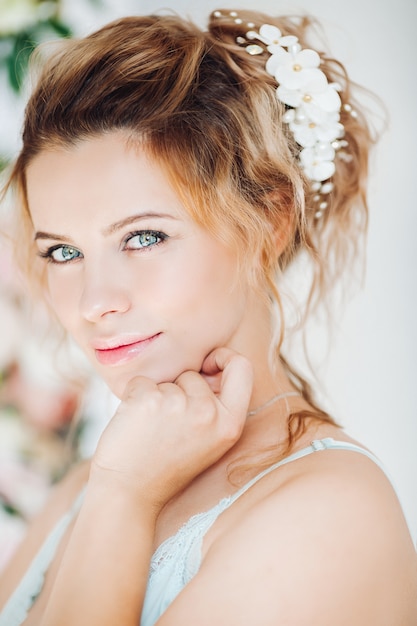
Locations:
{"points": [[337, 496], [327, 545], [60, 501], [334, 532]]}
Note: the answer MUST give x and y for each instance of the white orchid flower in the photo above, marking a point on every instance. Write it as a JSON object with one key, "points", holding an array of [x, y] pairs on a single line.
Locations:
{"points": [[318, 162], [313, 104]]}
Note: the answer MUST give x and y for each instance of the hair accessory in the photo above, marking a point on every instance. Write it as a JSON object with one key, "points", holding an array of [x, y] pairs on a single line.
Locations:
{"points": [[312, 104]]}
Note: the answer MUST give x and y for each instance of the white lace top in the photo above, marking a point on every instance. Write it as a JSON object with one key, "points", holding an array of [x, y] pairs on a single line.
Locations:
{"points": [[175, 562]]}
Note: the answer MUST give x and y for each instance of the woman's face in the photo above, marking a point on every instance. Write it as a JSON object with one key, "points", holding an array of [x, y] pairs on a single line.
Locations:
{"points": [[140, 286]]}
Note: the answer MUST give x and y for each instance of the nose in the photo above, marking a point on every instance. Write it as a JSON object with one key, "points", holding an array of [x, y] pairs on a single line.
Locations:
{"points": [[104, 293]]}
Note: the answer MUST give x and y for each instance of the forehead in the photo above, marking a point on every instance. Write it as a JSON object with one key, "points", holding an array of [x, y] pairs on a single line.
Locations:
{"points": [[103, 175]]}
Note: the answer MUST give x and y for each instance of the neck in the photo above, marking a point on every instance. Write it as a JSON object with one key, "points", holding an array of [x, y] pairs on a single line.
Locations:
{"points": [[276, 398]]}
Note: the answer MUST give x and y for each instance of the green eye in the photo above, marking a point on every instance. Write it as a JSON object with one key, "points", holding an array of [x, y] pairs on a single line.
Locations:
{"points": [[64, 254], [147, 239], [144, 239]]}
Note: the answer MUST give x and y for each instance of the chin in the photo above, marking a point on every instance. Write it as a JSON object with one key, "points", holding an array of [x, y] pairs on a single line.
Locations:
{"points": [[117, 387], [117, 384]]}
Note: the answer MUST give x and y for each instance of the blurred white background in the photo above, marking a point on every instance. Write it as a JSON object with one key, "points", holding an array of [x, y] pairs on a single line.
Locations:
{"points": [[369, 376]]}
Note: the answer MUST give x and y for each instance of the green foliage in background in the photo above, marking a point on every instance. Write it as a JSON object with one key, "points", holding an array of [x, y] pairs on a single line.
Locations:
{"points": [[23, 25]]}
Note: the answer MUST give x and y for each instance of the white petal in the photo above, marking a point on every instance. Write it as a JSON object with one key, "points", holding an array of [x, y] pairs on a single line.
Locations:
{"points": [[277, 58], [291, 97], [322, 170], [324, 152], [329, 133], [308, 58], [287, 76], [336, 86], [314, 113], [304, 135], [328, 100], [269, 33], [307, 157], [314, 168], [288, 40], [275, 48], [317, 81]]}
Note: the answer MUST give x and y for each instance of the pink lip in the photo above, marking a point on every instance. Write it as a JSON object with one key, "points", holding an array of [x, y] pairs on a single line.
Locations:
{"points": [[122, 352]]}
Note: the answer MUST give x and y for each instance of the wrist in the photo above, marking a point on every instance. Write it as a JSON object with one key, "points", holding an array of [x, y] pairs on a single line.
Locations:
{"points": [[117, 487]]}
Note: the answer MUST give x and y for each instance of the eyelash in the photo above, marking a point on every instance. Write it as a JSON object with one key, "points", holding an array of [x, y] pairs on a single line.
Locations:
{"points": [[48, 254], [155, 233]]}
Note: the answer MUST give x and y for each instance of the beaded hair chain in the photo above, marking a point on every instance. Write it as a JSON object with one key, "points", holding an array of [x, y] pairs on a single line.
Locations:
{"points": [[312, 104]]}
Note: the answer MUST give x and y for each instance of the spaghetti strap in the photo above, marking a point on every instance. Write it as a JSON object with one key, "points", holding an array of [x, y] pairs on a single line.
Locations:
{"points": [[317, 445], [174, 562], [16, 610], [177, 560]]}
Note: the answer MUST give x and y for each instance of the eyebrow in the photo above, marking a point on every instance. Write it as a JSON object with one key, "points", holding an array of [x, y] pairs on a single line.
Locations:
{"points": [[134, 218], [110, 229]]}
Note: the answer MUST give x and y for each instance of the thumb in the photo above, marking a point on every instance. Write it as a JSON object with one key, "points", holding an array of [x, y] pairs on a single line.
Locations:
{"points": [[236, 378]]}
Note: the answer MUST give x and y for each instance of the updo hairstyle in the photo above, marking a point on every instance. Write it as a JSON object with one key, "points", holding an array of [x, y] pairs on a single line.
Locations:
{"points": [[207, 112]]}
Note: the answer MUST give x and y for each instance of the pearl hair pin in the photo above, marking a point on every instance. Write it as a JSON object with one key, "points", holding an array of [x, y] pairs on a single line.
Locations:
{"points": [[312, 104]]}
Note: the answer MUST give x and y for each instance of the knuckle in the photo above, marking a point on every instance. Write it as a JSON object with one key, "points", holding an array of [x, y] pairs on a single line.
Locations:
{"points": [[230, 429], [133, 387], [243, 362], [150, 401], [176, 401], [206, 410]]}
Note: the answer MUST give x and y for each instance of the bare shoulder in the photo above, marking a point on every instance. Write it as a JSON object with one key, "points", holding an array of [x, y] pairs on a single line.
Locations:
{"points": [[61, 499], [329, 545]]}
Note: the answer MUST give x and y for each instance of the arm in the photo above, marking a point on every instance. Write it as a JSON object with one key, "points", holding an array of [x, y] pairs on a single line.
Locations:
{"points": [[328, 547], [161, 437], [59, 502], [106, 561]]}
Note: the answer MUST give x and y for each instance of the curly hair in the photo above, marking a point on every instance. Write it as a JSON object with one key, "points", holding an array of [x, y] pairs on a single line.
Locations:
{"points": [[207, 111]]}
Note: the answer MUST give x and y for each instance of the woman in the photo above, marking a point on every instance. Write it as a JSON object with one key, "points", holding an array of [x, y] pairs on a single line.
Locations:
{"points": [[168, 178]]}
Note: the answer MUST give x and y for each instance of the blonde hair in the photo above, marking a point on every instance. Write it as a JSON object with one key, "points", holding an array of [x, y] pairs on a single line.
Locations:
{"points": [[208, 112]]}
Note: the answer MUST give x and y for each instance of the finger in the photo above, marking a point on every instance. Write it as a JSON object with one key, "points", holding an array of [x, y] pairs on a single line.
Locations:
{"points": [[236, 385], [236, 380], [137, 386], [193, 384], [216, 361], [212, 368], [213, 382], [171, 390]]}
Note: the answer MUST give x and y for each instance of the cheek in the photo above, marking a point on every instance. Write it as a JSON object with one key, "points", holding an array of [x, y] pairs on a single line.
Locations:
{"points": [[197, 286], [205, 297], [213, 270], [63, 297]]}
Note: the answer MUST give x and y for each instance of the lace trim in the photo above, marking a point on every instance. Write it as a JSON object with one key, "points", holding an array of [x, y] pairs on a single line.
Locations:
{"points": [[192, 530], [178, 546]]}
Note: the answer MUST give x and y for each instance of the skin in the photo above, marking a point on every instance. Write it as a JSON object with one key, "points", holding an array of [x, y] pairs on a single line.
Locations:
{"points": [[308, 544], [177, 281]]}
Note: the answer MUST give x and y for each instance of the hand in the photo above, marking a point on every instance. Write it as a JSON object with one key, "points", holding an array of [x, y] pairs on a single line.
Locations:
{"points": [[162, 436]]}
